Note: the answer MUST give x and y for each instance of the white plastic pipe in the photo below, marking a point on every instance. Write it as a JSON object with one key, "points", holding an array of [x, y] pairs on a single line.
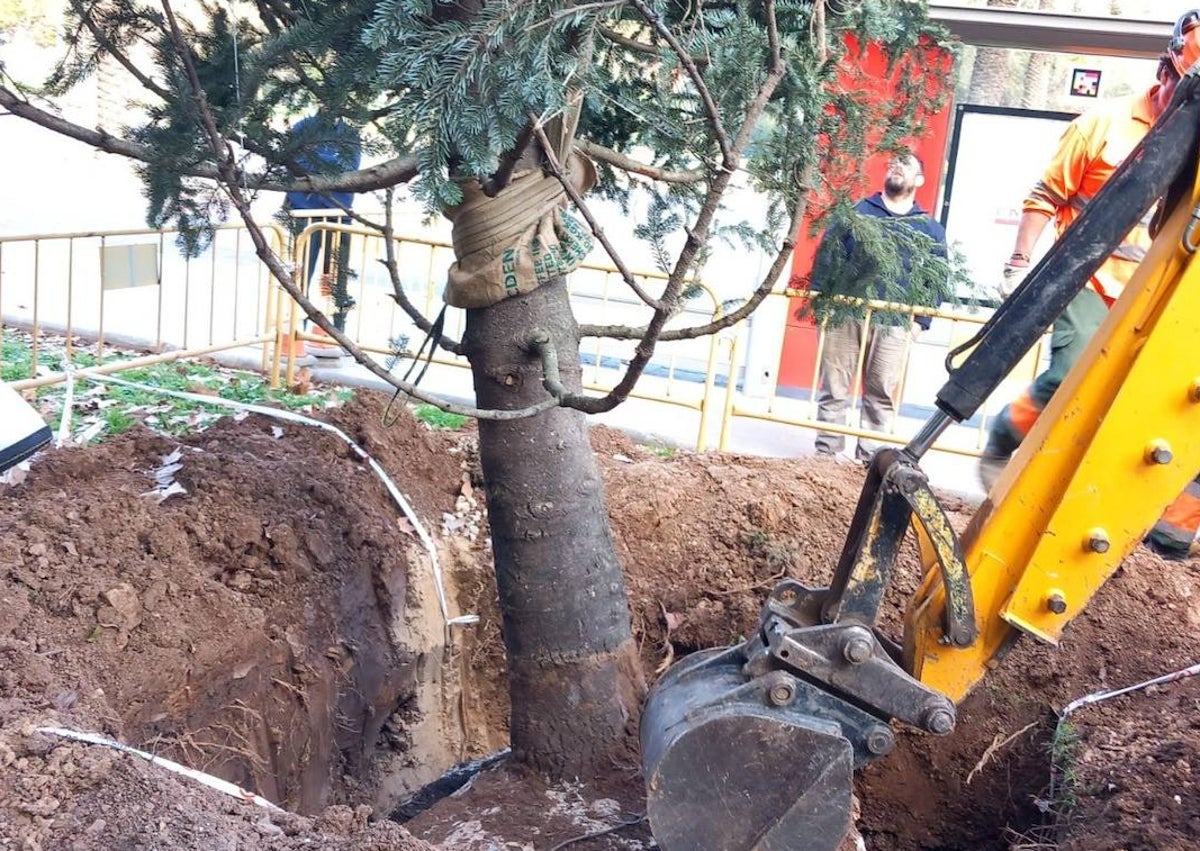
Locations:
{"points": [[231, 789]]}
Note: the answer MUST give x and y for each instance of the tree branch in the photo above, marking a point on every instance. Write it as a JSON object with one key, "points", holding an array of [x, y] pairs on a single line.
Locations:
{"points": [[640, 46], [98, 139], [626, 163], [305, 81], [697, 237], [585, 7], [818, 21], [775, 73], [764, 289], [124, 60], [390, 173], [508, 163], [557, 170], [541, 343], [685, 59], [346, 211], [268, 17], [625, 41], [274, 11], [398, 295], [644, 350], [773, 35], [223, 152]]}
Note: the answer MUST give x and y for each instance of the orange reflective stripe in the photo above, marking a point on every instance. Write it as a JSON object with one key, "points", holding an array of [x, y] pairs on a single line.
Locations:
{"points": [[1023, 413], [1184, 513]]}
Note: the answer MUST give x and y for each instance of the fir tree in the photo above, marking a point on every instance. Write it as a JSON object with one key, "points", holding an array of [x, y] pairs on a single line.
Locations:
{"points": [[668, 97]]}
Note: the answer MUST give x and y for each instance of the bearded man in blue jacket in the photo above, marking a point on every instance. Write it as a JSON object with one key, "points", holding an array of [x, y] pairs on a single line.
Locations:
{"points": [[887, 334]]}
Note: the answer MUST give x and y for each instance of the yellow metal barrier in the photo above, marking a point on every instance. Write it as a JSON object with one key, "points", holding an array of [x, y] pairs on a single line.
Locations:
{"points": [[150, 287], [732, 409], [133, 363], [683, 373], [600, 306]]}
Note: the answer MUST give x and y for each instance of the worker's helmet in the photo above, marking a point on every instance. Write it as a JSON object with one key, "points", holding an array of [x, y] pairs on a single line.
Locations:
{"points": [[1184, 47]]}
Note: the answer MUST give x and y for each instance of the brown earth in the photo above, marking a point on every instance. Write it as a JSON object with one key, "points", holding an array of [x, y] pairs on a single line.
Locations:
{"points": [[276, 626]]}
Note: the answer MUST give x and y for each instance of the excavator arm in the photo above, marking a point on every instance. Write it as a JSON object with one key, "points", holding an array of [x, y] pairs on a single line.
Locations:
{"points": [[754, 746], [1118, 441]]}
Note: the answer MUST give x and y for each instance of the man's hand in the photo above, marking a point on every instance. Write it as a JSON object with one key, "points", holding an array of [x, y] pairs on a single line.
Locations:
{"points": [[1014, 273]]}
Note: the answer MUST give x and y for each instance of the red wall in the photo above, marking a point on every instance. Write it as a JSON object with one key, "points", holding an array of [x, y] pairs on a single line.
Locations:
{"points": [[868, 69]]}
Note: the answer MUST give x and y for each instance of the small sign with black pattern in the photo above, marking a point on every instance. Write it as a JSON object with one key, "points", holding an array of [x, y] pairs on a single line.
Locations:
{"points": [[1085, 83]]}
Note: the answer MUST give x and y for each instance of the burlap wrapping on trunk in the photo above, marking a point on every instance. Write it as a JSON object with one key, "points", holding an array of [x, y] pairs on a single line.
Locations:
{"points": [[519, 240]]}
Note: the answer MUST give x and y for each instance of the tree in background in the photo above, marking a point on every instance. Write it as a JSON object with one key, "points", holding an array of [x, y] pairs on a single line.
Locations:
{"points": [[1035, 89], [31, 15], [498, 114], [992, 72]]}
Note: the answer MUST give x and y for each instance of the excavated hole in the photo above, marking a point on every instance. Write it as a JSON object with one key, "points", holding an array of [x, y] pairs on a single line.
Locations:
{"points": [[910, 800], [277, 626], [309, 717]]}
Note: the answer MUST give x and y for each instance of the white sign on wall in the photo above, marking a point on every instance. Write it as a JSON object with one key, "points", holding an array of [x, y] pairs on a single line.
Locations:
{"points": [[124, 266]]}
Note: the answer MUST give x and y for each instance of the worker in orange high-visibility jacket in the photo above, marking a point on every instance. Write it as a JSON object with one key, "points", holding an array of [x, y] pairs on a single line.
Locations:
{"points": [[1091, 149]]}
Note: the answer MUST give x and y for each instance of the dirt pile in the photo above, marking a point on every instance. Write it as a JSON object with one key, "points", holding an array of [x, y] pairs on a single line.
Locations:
{"points": [[273, 625], [251, 625], [704, 537]]}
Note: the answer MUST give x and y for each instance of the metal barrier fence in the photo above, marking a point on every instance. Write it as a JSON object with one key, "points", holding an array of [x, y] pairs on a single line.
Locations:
{"points": [[121, 284], [682, 373], [956, 328], [128, 286]]}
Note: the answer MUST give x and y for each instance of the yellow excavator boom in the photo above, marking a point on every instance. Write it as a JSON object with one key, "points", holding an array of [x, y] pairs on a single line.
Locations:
{"points": [[753, 747], [1116, 444]]}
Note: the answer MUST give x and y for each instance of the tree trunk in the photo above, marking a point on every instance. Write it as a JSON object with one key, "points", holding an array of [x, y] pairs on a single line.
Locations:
{"points": [[573, 670], [992, 71], [990, 77], [1036, 90], [1037, 81]]}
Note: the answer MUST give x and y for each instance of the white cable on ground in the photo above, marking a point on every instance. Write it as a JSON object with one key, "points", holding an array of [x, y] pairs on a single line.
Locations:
{"points": [[290, 416], [64, 422], [231, 789], [1098, 696]]}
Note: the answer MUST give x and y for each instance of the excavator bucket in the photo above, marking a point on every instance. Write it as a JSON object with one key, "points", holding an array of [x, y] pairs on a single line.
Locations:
{"points": [[733, 765], [754, 747]]}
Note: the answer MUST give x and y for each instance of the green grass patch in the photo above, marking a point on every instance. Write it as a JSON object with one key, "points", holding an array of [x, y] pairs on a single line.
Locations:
{"points": [[117, 420], [178, 416], [437, 418], [119, 407], [1064, 761], [16, 357]]}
